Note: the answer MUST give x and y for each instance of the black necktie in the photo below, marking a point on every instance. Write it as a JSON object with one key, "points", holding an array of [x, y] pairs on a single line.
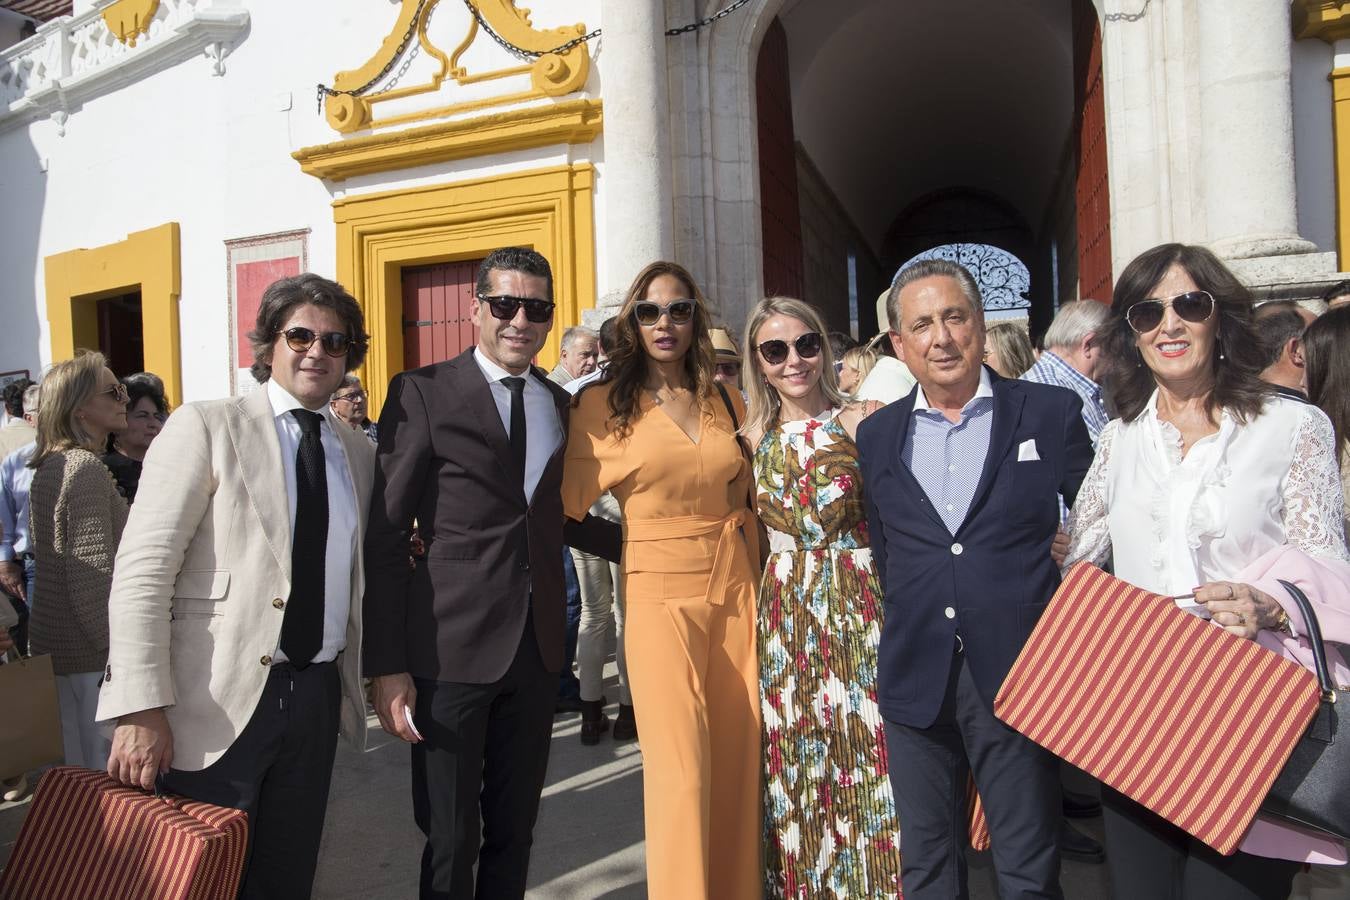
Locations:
{"points": [[517, 388], [302, 627]]}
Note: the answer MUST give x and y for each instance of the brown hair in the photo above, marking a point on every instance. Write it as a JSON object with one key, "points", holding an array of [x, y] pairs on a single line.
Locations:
{"points": [[1237, 362], [1327, 366], [284, 295], [627, 366], [68, 386]]}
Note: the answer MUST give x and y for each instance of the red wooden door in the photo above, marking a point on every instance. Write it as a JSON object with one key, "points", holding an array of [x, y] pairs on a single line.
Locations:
{"points": [[780, 210], [1093, 194], [437, 324]]}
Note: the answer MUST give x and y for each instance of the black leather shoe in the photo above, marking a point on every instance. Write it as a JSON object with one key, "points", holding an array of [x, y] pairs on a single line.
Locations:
{"points": [[594, 722], [1075, 845], [1081, 806], [625, 726]]}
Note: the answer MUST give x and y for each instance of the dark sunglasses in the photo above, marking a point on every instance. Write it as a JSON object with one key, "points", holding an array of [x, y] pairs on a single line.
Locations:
{"points": [[1146, 315], [334, 343], [775, 351], [118, 392], [505, 306], [648, 313]]}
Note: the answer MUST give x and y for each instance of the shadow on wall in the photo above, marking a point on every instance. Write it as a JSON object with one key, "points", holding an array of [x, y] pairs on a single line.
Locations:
{"points": [[23, 189]]}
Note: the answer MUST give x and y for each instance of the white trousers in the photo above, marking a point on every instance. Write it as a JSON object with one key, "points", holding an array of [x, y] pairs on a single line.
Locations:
{"points": [[85, 745], [601, 616]]}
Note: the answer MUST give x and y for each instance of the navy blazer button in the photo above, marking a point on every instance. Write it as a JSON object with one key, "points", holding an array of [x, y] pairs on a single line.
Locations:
{"points": [[957, 549], [949, 613]]}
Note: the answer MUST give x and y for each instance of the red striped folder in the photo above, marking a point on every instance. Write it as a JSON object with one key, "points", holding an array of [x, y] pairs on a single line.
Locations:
{"points": [[1187, 719], [88, 837]]}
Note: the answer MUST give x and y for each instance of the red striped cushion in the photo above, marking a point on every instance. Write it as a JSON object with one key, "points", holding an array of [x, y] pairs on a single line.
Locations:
{"points": [[1187, 719], [87, 836]]}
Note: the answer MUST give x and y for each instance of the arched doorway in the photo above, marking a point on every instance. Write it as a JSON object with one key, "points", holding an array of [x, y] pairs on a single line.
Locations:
{"points": [[919, 125]]}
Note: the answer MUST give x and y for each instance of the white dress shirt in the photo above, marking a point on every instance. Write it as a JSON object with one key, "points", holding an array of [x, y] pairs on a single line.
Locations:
{"points": [[342, 517], [543, 430], [1172, 523]]}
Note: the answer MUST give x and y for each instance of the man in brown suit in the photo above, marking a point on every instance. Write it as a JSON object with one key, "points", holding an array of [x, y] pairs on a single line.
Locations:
{"points": [[465, 647]]}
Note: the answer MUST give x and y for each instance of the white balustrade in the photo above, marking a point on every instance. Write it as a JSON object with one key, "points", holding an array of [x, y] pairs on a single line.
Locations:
{"points": [[71, 59]]}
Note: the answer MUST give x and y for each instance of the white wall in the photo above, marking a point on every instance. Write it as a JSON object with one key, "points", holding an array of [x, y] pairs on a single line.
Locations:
{"points": [[214, 154], [1314, 151]]}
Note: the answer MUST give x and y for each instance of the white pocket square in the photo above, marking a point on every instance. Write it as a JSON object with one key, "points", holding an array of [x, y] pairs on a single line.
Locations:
{"points": [[1026, 451]]}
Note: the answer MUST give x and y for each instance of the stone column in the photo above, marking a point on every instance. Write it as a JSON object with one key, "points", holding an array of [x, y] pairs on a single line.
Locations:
{"points": [[637, 181], [1246, 125]]}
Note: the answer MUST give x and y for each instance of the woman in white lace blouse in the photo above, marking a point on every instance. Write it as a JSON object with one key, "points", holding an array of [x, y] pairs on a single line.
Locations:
{"points": [[1205, 471]]}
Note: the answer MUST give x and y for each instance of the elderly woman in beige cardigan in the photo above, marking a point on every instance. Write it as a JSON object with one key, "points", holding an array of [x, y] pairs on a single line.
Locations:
{"points": [[77, 518]]}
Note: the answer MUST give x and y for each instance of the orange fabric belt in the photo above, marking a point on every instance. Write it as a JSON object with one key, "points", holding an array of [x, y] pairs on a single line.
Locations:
{"points": [[642, 530]]}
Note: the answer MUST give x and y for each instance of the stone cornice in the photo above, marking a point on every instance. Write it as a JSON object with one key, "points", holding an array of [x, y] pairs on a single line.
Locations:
{"points": [[1328, 20], [567, 122]]}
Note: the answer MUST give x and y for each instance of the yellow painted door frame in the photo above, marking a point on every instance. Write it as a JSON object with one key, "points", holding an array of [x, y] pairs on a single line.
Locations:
{"points": [[147, 260], [549, 210]]}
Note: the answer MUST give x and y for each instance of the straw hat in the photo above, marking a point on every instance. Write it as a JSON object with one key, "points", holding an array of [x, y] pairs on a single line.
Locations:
{"points": [[723, 343]]}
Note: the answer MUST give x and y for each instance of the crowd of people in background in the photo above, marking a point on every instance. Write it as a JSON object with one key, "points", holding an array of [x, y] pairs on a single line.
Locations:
{"points": [[796, 547]]}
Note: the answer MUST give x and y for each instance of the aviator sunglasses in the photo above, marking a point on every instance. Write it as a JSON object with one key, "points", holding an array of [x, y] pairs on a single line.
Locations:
{"points": [[334, 343], [775, 351], [505, 306], [1146, 315], [648, 313]]}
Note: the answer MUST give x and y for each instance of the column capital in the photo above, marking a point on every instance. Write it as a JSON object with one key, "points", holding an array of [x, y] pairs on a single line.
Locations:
{"points": [[1328, 20]]}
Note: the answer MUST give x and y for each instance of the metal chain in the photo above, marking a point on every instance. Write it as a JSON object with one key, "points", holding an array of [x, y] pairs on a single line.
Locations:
{"points": [[522, 53], [1127, 17], [324, 90], [704, 23]]}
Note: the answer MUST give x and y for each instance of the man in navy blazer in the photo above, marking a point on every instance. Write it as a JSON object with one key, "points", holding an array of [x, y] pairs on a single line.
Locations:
{"points": [[962, 479]]}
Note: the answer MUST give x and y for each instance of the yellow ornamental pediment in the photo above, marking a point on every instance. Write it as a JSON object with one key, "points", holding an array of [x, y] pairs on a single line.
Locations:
{"points": [[456, 75], [127, 19]]}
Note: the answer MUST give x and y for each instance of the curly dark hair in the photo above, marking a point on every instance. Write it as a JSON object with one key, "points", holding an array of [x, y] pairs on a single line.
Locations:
{"points": [[286, 294], [1239, 357], [627, 366]]}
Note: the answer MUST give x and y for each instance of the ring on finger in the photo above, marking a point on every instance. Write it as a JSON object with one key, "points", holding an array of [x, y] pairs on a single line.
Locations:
{"points": [[1230, 592]]}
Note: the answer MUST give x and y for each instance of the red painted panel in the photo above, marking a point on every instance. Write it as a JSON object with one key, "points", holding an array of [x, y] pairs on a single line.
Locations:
{"points": [[779, 200], [250, 280], [436, 321], [1093, 193]]}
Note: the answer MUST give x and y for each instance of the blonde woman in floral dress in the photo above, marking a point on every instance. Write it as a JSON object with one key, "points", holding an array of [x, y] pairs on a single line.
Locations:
{"points": [[829, 815]]}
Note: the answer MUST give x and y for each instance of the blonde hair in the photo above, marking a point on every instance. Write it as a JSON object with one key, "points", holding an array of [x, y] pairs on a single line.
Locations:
{"points": [[765, 407], [860, 360], [1013, 345], [68, 386]]}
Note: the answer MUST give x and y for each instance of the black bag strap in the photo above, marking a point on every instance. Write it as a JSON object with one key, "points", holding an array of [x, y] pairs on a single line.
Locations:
{"points": [[1314, 639], [731, 410]]}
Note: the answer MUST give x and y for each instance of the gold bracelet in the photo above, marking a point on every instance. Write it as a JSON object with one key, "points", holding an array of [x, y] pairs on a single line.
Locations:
{"points": [[1282, 623]]}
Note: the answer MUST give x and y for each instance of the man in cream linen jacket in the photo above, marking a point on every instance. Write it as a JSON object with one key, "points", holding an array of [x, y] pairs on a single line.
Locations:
{"points": [[235, 613]]}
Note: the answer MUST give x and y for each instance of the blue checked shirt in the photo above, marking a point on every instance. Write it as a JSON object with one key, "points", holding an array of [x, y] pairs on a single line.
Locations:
{"points": [[1051, 369], [947, 458]]}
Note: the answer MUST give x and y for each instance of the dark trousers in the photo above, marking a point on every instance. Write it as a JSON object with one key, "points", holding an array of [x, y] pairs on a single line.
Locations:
{"points": [[484, 754], [1151, 857], [1018, 782], [278, 771], [568, 685]]}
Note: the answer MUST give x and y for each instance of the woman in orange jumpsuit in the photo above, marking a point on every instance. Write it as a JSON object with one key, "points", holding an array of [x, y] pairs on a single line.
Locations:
{"points": [[659, 434]]}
